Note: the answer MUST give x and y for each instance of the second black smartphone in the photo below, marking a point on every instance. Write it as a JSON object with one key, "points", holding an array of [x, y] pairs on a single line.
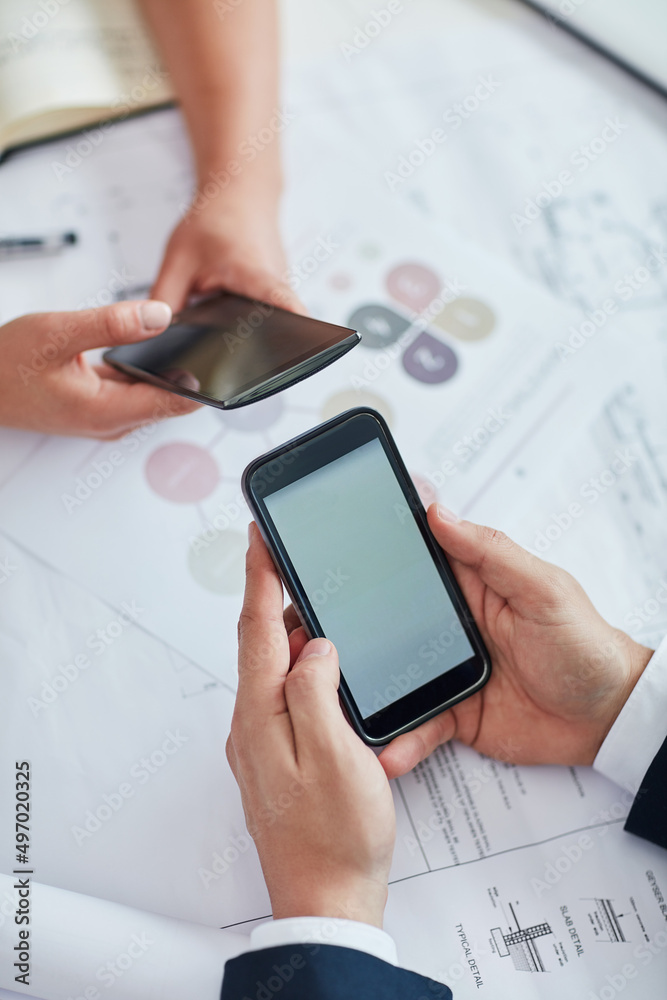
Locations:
{"points": [[349, 536], [228, 351]]}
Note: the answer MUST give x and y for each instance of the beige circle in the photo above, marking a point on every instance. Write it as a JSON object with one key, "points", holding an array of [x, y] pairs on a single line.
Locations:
{"points": [[350, 398], [217, 561], [466, 319]]}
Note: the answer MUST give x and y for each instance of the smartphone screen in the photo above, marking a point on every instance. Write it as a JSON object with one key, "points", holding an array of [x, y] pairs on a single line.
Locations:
{"points": [[228, 350], [372, 582], [365, 574]]}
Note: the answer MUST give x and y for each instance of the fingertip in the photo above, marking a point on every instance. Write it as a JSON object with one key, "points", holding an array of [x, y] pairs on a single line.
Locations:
{"points": [[316, 647], [442, 515], [154, 315], [391, 763]]}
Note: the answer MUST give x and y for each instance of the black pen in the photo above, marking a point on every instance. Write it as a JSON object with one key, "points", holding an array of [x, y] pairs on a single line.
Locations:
{"points": [[26, 246]]}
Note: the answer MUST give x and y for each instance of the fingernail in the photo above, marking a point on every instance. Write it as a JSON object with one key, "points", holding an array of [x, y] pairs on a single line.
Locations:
{"points": [[154, 315], [317, 647], [445, 514]]}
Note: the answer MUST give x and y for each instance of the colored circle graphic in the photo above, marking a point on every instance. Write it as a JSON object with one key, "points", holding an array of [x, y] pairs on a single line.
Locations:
{"points": [[218, 564], [350, 398], [340, 281], [466, 319], [377, 325], [182, 472], [429, 360], [369, 250], [413, 285], [255, 416]]}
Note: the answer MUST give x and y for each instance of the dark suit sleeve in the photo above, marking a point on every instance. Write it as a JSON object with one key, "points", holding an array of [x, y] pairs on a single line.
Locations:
{"points": [[648, 816], [322, 972]]}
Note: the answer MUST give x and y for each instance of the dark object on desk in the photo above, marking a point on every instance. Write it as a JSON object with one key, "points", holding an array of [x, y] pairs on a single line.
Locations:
{"points": [[227, 350], [35, 246]]}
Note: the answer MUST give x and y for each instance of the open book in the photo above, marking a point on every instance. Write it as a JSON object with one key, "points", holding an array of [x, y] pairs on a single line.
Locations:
{"points": [[65, 64]]}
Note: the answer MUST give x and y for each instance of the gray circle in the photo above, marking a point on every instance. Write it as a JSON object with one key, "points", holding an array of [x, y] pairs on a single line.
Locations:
{"points": [[378, 325]]}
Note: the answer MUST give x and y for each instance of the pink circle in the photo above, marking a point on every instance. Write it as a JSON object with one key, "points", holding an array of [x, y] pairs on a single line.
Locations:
{"points": [[340, 281], [413, 285], [182, 472]]}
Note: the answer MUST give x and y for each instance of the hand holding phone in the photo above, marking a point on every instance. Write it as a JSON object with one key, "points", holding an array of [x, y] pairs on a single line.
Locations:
{"points": [[349, 535], [227, 350], [317, 801], [561, 673]]}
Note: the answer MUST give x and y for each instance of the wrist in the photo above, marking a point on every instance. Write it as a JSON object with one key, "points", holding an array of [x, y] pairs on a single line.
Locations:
{"points": [[363, 901], [636, 658], [229, 177], [236, 204]]}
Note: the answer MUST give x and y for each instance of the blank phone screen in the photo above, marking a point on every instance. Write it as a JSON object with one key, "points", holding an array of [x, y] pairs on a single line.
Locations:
{"points": [[370, 577]]}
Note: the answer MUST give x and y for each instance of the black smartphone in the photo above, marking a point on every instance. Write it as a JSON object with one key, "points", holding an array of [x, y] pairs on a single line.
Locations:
{"points": [[349, 535], [228, 351]]}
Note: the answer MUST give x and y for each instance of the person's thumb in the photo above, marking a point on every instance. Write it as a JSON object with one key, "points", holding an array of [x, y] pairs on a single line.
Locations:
{"points": [[500, 563], [108, 326], [311, 693]]}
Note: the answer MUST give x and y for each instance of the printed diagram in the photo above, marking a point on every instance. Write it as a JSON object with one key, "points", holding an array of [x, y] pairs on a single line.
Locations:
{"points": [[585, 250], [521, 944], [605, 921], [191, 473]]}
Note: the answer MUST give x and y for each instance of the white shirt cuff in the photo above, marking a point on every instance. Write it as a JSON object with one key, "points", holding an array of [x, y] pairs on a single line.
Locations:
{"points": [[325, 930], [640, 730]]}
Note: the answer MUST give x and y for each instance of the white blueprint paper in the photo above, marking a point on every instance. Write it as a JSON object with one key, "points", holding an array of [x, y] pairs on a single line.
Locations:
{"points": [[487, 854]]}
